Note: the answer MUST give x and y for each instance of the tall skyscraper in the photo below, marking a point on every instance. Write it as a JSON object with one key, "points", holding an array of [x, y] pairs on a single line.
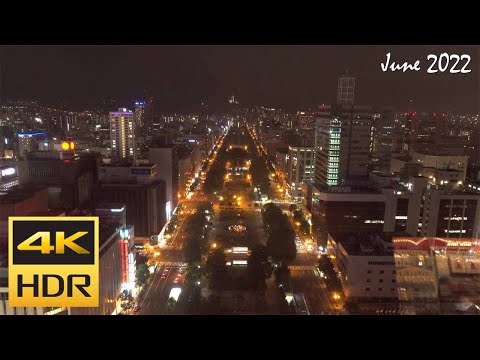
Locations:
{"points": [[122, 135], [342, 143], [383, 134], [346, 90], [139, 113]]}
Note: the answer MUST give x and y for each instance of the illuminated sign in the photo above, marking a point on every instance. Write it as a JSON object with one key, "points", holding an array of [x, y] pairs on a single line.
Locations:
{"points": [[125, 233], [168, 209], [68, 145], [53, 261], [141, 171], [8, 171], [117, 210], [240, 249], [240, 262], [459, 243], [22, 135]]}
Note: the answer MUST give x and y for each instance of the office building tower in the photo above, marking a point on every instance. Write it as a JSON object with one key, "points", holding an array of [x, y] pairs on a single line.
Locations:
{"points": [[346, 90], [383, 127], [140, 129], [343, 138], [122, 135], [139, 113], [140, 189], [300, 168], [166, 158]]}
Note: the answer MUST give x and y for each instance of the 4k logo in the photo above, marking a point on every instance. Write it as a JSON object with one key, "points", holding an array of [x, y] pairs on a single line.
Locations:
{"points": [[53, 261]]}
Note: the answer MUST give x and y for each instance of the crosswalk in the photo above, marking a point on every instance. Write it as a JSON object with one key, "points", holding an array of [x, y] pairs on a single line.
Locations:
{"points": [[302, 267], [173, 264]]}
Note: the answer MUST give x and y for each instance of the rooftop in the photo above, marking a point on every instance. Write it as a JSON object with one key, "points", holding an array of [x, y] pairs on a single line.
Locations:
{"points": [[19, 193], [159, 145], [365, 244]]}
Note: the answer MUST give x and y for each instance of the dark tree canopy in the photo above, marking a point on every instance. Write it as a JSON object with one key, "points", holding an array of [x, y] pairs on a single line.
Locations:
{"points": [[142, 274], [216, 268], [258, 267]]}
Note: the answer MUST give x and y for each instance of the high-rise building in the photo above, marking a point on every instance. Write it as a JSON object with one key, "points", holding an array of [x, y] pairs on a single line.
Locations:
{"points": [[148, 113], [300, 168], [343, 140], [139, 113], [346, 90], [122, 135], [166, 158], [383, 135]]}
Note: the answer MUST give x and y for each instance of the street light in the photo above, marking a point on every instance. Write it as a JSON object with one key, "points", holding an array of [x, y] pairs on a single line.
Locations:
{"points": [[214, 245]]}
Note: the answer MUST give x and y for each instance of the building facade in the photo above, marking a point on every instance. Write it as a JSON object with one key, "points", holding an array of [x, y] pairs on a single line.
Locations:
{"points": [[343, 140], [122, 135], [300, 168], [166, 158]]}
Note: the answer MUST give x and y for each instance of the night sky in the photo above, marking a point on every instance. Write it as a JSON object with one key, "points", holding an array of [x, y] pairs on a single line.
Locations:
{"points": [[181, 77]]}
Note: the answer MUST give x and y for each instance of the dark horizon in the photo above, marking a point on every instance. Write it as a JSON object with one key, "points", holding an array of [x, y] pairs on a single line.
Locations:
{"points": [[182, 77]]}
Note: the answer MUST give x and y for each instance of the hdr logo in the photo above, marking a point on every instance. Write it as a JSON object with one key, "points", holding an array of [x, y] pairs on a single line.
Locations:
{"points": [[53, 261]]}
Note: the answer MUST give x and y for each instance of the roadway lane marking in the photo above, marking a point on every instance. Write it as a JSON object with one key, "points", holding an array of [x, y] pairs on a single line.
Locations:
{"points": [[149, 287], [325, 294]]}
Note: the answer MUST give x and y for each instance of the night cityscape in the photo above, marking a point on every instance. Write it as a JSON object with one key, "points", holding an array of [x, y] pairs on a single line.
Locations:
{"points": [[241, 180]]}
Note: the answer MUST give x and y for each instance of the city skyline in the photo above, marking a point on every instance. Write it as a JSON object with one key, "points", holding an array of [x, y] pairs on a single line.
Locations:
{"points": [[183, 77], [240, 180]]}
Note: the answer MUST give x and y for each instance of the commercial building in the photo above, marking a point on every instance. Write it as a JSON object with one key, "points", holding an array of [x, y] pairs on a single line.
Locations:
{"points": [[127, 173], [28, 141], [346, 90], [115, 214], [342, 143], [383, 126], [407, 275], [346, 209], [166, 158], [70, 181], [300, 168], [387, 204], [122, 135], [141, 190], [189, 165], [139, 113], [421, 209]]}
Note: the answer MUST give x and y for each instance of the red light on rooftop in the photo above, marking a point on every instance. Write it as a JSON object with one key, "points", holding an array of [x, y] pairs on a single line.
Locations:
{"points": [[443, 114], [435, 114]]}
